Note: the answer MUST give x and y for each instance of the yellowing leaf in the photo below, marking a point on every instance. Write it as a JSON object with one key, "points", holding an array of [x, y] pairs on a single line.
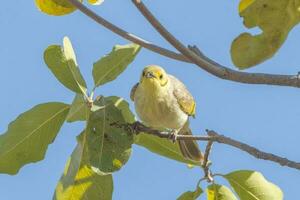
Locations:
{"points": [[162, 147], [251, 185], [220, 192], [62, 63], [28, 137], [191, 195], [95, 2], [55, 7], [275, 18], [80, 182], [112, 65], [244, 4]]}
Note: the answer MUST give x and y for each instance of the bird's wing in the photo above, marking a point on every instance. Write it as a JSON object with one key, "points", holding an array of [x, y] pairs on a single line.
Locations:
{"points": [[183, 96], [132, 92]]}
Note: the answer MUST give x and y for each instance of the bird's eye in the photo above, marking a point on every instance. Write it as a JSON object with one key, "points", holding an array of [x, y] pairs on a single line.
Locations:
{"points": [[161, 76], [144, 73]]}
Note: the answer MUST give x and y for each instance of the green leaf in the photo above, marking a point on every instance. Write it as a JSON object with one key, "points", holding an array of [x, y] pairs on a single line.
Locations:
{"points": [[109, 147], [80, 182], [275, 18], [78, 109], [55, 7], [95, 2], [62, 62], [28, 136], [162, 147], [252, 185], [219, 192], [112, 65], [191, 195]]}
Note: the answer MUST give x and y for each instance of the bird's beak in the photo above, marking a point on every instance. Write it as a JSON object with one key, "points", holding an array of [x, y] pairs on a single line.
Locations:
{"points": [[149, 75]]}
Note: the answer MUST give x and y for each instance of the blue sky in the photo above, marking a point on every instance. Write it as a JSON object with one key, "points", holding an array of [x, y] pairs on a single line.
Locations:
{"points": [[264, 116]]}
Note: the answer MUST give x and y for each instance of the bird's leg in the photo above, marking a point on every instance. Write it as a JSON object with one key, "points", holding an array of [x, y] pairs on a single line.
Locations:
{"points": [[173, 135]]}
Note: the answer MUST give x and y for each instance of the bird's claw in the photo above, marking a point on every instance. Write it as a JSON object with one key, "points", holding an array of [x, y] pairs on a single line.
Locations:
{"points": [[134, 127], [173, 135]]}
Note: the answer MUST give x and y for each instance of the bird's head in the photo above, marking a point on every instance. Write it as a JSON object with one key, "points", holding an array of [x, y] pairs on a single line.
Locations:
{"points": [[154, 76]]}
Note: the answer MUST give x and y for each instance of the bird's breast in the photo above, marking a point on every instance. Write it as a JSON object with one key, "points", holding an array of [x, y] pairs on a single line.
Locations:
{"points": [[159, 110]]}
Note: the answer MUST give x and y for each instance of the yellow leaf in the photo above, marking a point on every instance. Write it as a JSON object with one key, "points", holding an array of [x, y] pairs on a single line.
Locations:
{"points": [[252, 185], [79, 181], [244, 4], [95, 2], [219, 192], [55, 7], [275, 18]]}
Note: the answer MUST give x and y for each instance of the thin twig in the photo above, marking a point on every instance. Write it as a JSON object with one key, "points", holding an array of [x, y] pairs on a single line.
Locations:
{"points": [[205, 165], [212, 66], [200, 180], [137, 128], [131, 37], [207, 152]]}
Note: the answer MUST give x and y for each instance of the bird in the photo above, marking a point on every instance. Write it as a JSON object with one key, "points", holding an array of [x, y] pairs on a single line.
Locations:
{"points": [[163, 102]]}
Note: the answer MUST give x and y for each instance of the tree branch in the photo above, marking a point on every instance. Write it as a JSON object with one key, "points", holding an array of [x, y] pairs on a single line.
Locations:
{"points": [[131, 37], [212, 136], [213, 67], [252, 150], [190, 56], [193, 54]]}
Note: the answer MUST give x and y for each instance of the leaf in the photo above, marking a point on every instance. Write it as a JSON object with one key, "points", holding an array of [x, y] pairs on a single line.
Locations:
{"points": [[219, 192], [62, 62], [112, 65], [252, 185], [191, 195], [244, 4], [55, 7], [275, 18], [162, 147], [109, 147], [79, 182], [78, 109], [27, 137], [95, 2]]}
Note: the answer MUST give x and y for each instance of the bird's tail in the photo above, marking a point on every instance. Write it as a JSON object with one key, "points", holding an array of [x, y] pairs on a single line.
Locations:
{"points": [[189, 148]]}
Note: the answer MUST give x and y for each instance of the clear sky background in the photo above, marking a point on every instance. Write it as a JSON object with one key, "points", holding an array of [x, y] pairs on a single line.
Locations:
{"points": [[264, 116]]}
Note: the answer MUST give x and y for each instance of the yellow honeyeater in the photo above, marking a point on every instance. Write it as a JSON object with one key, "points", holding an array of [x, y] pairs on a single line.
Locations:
{"points": [[163, 102]]}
